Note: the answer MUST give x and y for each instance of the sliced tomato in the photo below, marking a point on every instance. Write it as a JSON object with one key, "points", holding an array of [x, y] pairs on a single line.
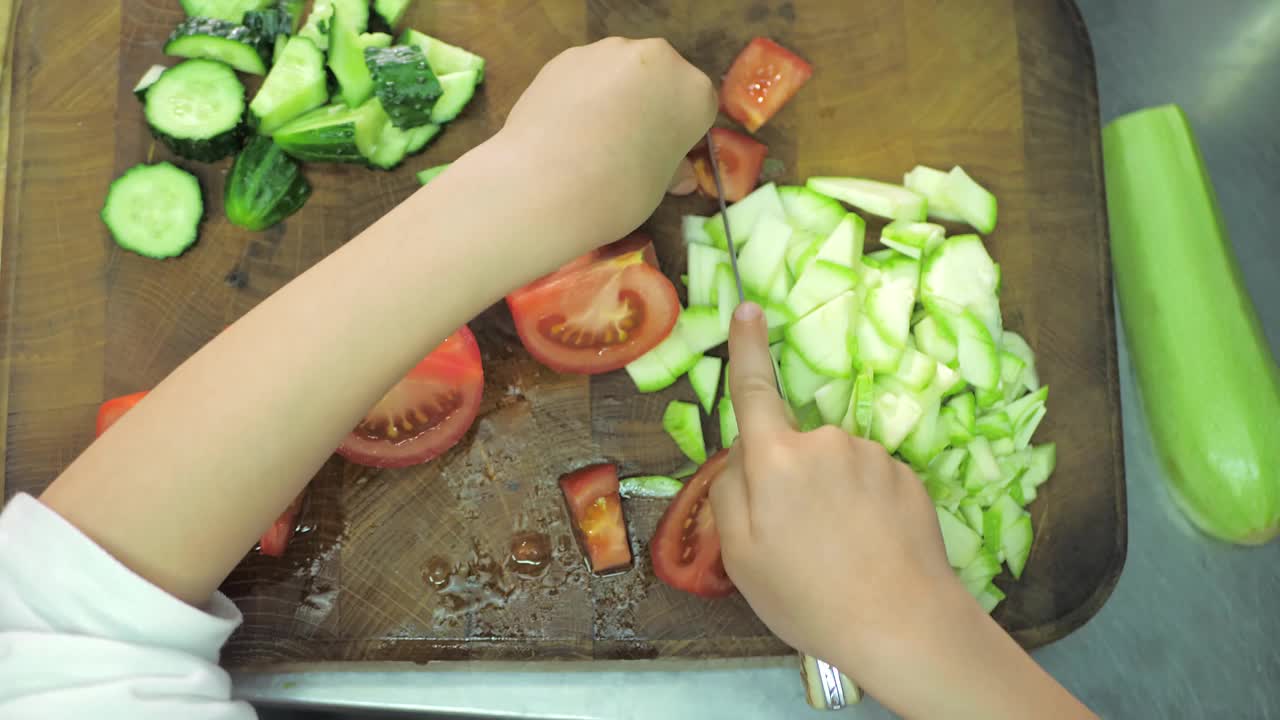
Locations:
{"points": [[426, 413], [600, 311], [760, 81], [114, 409], [686, 546], [596, 507], [741, 159], [276, 539]]}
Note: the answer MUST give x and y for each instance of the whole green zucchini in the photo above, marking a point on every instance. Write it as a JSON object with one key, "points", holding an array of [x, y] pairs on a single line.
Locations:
{"points": [[1208, 380]]}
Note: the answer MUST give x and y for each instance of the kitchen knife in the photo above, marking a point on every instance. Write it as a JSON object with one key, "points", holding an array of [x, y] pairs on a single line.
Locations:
{"points": [[825, 687]]}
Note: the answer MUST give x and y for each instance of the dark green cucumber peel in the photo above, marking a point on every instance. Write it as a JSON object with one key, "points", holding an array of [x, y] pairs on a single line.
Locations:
{"points": [[227, 42], [404, 84], [265, 186], [229, 10]]}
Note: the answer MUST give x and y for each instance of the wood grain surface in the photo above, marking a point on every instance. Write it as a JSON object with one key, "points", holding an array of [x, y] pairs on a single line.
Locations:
{"points": [[1006, 89]]}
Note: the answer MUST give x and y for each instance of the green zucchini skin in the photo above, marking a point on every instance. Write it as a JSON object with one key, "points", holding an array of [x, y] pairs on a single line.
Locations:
{"points": [[1209, 383], [265, 186], [404, 84]]}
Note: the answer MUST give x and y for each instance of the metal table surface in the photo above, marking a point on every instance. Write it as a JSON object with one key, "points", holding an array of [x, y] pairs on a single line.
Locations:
{"points": [[1191, 628]]}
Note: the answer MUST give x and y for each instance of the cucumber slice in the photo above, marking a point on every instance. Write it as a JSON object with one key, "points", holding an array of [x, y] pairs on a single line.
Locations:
{"points": [[392, 145], [705, 379], [916, 370], [148, 79], [888, 307], [676, 354], [822, 337], [871, 349], [391, 11], [1014, 343], [649, 373], [878, 198], [154, 210], [443, 57], [265, 186], [346, 60], [684, 424], [913, 239], [844, 245], [728, 421], [700, 329], [962, 543], [934, 341], [899, 268], [726, 296], [821, 282], [220, 40], [778, 320], [295, 85], [743, 216], [650, 486], [1002, 515], [693, 230], [319, 24], [801, 251], [970, 200], [800, 382], [832, 400], [976, 353], [971, 512], [1015, 544], [861, 405], [947, 466], [404, 84], [197, 109], [807, 417], [928, 182], [894, 416], [334, 133], [983, 469], [228, 10], [431, 173], [1027, 428], [946, 382], [272, 25], [994, 426], [985, 565], [810, 211], [760, 262], [960, 274], [704, 260], [776, 295], [457, 89], [420, 137], [1040, 465]]}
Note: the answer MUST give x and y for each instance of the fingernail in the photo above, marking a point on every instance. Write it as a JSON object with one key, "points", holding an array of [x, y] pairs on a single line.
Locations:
{"points": [[747, 312]]}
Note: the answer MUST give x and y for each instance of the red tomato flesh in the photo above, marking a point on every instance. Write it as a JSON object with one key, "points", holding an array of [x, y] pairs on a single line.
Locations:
{"points": [[741, 159], [600, 311], [596, 507], [114, 409], [760, 81], [686, 546], [426, 413], [273, 541]]}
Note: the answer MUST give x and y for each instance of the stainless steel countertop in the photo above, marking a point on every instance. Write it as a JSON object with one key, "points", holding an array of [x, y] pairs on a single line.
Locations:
{"points": [[1191, 630]]}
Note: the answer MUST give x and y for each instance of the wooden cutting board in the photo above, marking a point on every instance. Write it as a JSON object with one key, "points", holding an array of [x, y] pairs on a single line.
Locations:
{"points": [[411, 564]]}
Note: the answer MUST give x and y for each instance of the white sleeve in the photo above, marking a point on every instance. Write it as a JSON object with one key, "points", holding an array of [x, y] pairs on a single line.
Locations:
{"points": [[83, 636]]}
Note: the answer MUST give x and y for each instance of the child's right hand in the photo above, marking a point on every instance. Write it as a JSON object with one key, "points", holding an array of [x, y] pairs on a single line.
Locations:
{"points": [[833, 543], [612, 121]]}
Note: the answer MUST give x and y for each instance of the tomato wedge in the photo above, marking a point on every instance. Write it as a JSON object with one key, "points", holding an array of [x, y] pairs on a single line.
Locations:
{"points": [[114, 409], [276, 539], [426, 413], [686, 546], [741, 158], [600, 311], [273, 541], [760, 81], [596, 507]]}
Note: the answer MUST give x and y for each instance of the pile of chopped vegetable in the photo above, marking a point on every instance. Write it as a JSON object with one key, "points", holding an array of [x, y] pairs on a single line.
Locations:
{"points": [[393, 98]]}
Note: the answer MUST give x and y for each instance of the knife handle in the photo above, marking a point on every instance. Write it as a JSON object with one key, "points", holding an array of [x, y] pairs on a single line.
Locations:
{"points": [[825, 687]]}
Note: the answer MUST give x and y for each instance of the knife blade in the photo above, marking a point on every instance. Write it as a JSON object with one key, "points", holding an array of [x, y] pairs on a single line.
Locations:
{"points": [[826, 688]]}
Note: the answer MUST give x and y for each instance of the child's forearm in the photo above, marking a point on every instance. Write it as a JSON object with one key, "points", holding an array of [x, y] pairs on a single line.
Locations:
{"points": [[949, 659], [182, 486]]}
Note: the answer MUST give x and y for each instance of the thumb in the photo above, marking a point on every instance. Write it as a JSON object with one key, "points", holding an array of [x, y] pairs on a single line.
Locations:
{"points": [[756, 403]]}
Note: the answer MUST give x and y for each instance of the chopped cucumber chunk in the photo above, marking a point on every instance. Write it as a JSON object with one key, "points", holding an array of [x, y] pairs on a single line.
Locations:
{"points": [[703, 263], [928, 182], [970, 200], [822, 337], [693, 230], [683, 423], [913, 239], [728, 421], [743, 216], [810, 211], [844, 245], [650, 486], [705, 377], [962, 543], [878, 198], [760, 262], [833, 399]]}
